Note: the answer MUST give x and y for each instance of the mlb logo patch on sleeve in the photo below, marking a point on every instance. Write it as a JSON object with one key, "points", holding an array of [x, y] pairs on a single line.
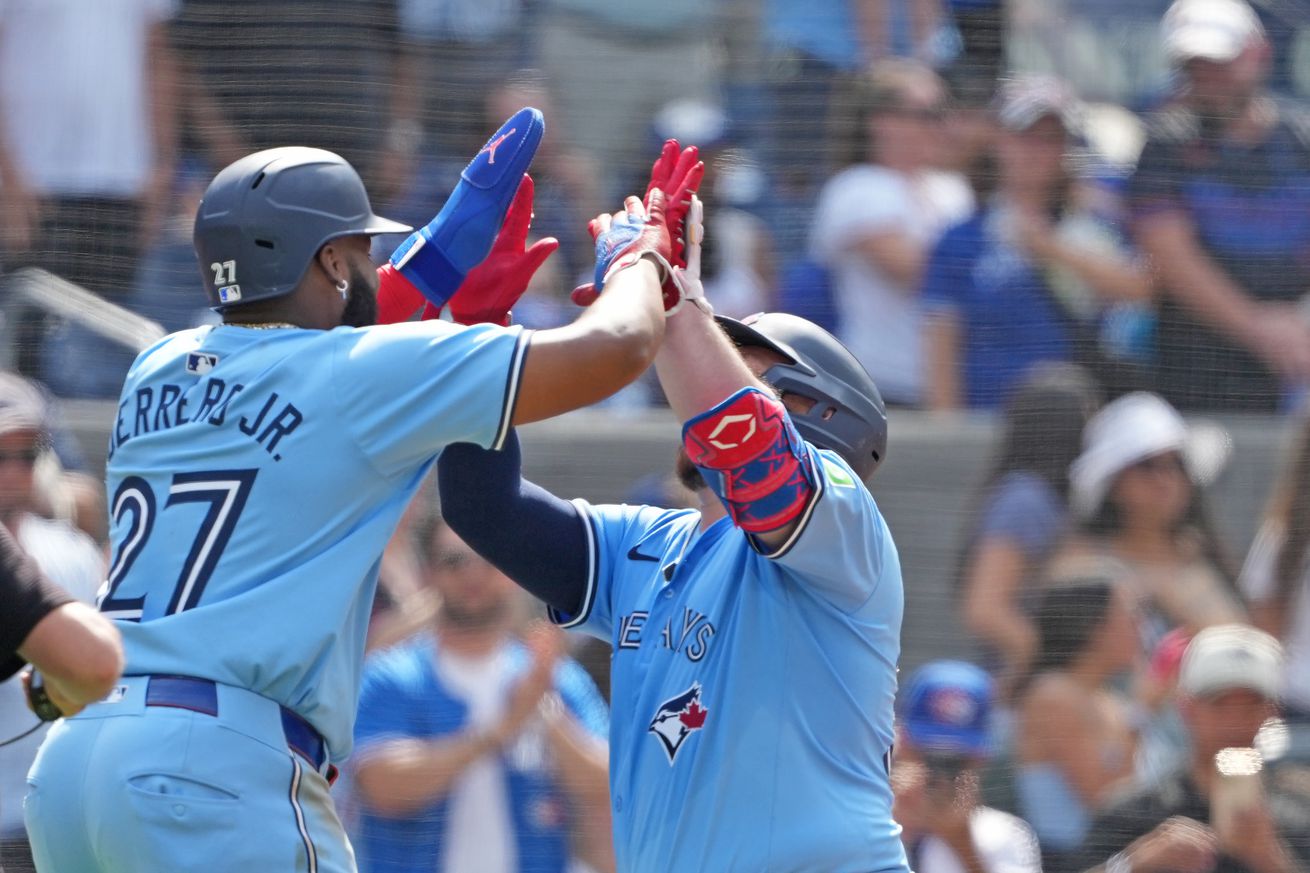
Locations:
{"points": [[200, 363], [837, 475]]}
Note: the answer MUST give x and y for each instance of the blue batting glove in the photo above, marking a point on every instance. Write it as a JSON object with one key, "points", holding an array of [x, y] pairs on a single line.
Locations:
{"points": [[614, 242], [437, 257]]}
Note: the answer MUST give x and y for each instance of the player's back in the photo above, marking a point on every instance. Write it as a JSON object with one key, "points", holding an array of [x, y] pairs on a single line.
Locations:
{"points": [[256, 475]]}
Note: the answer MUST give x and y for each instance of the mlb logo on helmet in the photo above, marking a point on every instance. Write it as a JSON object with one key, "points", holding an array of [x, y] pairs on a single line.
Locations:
{"points": [[677, 718], [229, 293]]}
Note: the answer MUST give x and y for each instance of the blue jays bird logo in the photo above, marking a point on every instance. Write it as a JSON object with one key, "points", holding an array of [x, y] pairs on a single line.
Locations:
{"points": [[677, 718]]}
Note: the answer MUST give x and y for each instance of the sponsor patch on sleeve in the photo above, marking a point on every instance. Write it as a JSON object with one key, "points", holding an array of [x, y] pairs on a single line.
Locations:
{"points": [[837, 475]]}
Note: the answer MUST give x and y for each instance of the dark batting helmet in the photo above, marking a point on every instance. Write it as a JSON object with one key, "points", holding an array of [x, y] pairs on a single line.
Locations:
{"points": [[848, 415], [264, 218]]}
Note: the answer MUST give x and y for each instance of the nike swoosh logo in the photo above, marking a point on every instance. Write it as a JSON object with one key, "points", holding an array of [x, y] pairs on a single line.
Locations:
{"points": [[634, 555]]}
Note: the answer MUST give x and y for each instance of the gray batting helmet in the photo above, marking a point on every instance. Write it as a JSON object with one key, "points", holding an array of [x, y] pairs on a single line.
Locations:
{"points": [[264, 218], [848, 416]]}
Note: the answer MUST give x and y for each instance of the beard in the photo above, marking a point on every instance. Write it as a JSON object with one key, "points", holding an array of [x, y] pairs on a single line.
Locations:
{"points": [[361, 308], [688, 476]]}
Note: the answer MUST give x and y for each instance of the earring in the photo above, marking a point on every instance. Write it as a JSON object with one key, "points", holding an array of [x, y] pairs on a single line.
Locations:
{"points": [[343, 286]]}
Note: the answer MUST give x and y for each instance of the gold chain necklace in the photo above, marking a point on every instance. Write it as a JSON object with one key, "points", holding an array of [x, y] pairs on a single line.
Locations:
{"points": [[261, 325]]}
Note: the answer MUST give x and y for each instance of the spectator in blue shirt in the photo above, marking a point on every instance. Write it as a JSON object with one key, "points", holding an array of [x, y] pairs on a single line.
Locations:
{"points": [[1221, 205], [1037, 274], [477, 752]]}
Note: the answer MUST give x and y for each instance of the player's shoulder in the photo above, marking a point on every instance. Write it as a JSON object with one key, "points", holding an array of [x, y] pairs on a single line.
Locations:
{"points": [[409, 332], [838, 478], [639, 520], [842, 506], [167, 350], [389, 345]]}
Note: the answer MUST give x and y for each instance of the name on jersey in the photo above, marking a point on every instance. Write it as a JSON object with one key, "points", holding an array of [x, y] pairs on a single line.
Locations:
{"points": [[151, 409], [691, 635]]}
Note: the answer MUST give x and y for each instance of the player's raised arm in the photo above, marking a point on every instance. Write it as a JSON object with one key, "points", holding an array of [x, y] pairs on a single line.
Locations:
{"points": [[736, 431], [612, 342], [616, 337]]}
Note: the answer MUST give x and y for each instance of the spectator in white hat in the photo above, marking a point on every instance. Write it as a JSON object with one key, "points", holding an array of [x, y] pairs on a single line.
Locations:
{"points": [[1137, 489], [1228, 686]]}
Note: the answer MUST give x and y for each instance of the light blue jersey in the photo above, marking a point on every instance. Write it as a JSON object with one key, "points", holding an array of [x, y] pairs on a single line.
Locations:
{"points": [[752, 695], [254, 479]]}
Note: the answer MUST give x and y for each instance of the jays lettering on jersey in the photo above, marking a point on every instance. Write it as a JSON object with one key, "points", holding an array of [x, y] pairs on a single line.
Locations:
{"points": [[258, 474], [751, 696]]}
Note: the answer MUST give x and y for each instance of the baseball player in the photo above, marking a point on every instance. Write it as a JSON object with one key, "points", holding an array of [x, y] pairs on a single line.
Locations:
{"points": [[256, 471], [755, 640]]}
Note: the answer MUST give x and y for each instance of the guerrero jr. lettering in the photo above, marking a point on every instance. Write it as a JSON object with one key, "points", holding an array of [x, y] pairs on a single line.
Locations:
{"points": [[148, 410]]}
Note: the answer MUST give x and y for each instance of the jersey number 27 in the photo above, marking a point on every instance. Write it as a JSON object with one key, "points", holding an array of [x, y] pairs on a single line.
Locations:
{"points": [[224, 490]]}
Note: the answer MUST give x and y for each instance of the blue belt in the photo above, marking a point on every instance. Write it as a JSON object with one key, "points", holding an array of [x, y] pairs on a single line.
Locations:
{"points": [[201, 695]]}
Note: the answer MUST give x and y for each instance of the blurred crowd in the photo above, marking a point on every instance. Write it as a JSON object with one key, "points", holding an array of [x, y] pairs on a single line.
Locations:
{"points": [[1084, 218], [948, 184]]}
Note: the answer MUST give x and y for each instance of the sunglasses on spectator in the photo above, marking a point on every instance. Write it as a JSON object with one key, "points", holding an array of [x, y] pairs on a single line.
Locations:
{"points": [[24, 456]]}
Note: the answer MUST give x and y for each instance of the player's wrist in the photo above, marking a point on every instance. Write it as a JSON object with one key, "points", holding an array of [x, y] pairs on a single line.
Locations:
{"points": [[42, 699], [661, 264], [636, 258]]}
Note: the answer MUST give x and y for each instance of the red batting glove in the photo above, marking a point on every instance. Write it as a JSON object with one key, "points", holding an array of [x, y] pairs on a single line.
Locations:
{"points": [[492, 288], [398, 299], [678, 173]]}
